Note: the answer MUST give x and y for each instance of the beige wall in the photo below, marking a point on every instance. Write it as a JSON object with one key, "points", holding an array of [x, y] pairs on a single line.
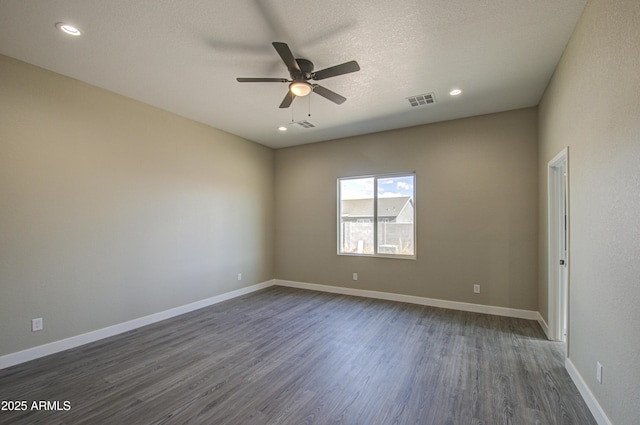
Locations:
{"points": [[476, 210], [593, 106], [111, 210]]}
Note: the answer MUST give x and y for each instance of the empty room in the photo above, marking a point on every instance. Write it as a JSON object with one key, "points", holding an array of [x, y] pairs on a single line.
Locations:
{"points": [[294, 212]]}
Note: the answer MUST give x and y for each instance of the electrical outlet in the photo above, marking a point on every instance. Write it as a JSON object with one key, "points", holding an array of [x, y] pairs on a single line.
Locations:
{"points": [[37, 324], [239, 276], [476, 289], [599, 372], [355, 276]]}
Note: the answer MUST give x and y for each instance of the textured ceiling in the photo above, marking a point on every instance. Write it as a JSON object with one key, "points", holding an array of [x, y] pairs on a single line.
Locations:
{"points": [[184, 55]]}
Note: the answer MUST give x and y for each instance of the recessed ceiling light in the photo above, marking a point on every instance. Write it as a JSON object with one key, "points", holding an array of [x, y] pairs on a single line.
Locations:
{"points": [[282, 128], [455, 92], [68, 29]]}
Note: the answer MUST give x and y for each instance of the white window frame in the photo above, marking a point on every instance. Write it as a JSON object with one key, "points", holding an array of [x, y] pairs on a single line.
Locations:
{"points": [[375, 178]]}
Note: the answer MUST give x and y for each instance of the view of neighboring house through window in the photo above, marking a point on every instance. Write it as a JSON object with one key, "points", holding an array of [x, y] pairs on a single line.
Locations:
{"points": [[376, 215]]}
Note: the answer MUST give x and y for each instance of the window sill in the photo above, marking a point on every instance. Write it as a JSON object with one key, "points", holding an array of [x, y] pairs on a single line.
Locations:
{"points": [[397, 257]]}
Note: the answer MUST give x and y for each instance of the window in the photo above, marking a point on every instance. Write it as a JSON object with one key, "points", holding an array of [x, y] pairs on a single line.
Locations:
{"points": [[376, 215]]}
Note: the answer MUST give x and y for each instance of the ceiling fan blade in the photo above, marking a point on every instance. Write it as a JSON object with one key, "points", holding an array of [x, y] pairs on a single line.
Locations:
{"points": [[262, 80], [334, 71], [286, 102], [328, 94], [287, 57]]}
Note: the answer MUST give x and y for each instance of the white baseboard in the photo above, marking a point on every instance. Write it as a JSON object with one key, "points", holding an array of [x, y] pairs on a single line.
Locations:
{"points": [[453, 305], [78, 340], [587, 395], [543, 325]]}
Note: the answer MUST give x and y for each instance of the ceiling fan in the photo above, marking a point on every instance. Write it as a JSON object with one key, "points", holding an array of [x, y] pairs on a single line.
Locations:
{"points": [[301, 71]]}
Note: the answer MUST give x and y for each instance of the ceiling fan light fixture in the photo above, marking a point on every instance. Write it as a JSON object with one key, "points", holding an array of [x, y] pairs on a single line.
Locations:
{"points": [[300, 88]]}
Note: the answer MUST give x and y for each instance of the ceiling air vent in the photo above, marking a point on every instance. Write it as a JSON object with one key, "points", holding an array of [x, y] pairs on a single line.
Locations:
{"points": [[305, 124], [422, 99]]}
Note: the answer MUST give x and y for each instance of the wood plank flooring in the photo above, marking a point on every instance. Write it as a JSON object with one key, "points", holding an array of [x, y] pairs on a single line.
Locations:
{"points": [[290, 356]]}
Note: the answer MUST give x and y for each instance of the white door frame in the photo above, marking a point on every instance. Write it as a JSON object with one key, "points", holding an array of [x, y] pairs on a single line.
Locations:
{"points": [[558, 246]]}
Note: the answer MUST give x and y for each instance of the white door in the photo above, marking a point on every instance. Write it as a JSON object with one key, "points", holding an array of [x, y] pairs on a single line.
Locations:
{"points": [[558, 261]]}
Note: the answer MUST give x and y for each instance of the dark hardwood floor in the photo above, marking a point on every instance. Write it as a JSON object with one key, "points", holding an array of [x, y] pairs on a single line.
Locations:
{"points": [[290, 356]]}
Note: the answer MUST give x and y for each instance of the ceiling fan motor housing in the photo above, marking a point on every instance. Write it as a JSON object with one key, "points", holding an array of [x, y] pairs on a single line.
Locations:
{"points": [[306, 68]]}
